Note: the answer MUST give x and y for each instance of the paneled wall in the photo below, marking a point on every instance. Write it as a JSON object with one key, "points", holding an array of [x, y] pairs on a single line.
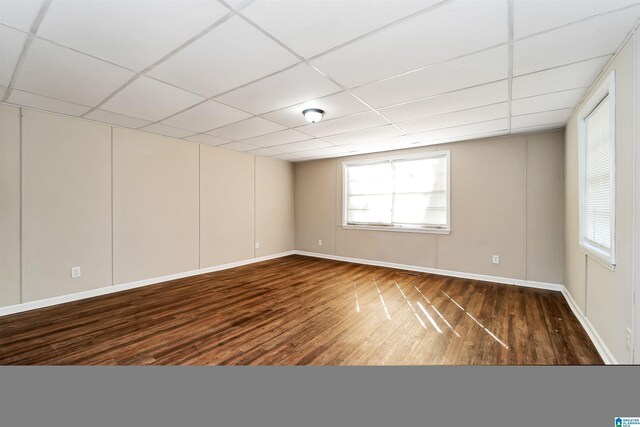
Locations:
{"points": [[605, 297], [125, 205], [506, 200]]}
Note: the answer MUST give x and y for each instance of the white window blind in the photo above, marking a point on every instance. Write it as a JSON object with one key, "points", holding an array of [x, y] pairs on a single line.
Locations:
{"points": [[598, 178], [410, 193]]}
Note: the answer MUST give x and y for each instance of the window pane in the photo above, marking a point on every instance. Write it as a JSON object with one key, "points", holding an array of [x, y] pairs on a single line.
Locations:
{"points": [[598, 178]]}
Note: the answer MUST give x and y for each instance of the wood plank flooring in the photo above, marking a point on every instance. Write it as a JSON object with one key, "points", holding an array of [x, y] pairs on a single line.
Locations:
{"points": [[300, 310]]}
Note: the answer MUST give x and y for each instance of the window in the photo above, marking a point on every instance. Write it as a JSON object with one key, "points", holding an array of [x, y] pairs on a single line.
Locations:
{"points": [[401, 193], [597, 174]]}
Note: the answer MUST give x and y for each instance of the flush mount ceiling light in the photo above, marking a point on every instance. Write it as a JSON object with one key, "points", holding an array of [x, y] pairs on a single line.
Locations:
{"points": [[313, 114]]}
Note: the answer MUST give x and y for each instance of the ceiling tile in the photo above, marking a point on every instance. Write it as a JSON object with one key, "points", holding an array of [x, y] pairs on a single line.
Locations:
{"points": [[458, 118], [116, 119], [327, 151], [383, 144], [19, 13], [167, 130], [571, 76], [532, 16], [277, 138], [298, 23], [302, 145], [150, 99], [553, 126], [455, 29], [206, 116], [238, 4], [230, 55], [539, 119], [207, 139], [365, 135], [286, 88], [264, 152], [461, 99], [138, 33], [463, 132], [344, 124], [288, 157], [588, 39], [12, 43], [550, 101], [238, 146], [63, 74], [43, 103], [3, 90], [334, 106], [480, 68], [249, 128]]}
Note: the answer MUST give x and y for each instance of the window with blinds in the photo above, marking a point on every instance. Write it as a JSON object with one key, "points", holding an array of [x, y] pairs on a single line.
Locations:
{"points": [[598, 177], [408, 193]]}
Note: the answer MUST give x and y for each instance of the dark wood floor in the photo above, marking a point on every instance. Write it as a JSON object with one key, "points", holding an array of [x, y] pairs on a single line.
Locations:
{"points": [[304, 311]]}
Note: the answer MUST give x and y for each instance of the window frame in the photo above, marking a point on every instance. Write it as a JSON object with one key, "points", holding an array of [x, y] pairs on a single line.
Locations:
{"points": [[606, 88], [414, 156]]}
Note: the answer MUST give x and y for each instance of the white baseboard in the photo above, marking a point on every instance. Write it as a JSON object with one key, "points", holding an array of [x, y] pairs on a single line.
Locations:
{"points": [[32, 305], [463, 275], [598, 342]]}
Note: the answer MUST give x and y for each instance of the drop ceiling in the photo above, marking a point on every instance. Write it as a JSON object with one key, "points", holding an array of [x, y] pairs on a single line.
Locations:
{"points": [[237, 74]]}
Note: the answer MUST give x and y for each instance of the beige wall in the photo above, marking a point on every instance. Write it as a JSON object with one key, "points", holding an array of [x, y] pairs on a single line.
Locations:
{"points": [[155, 206], [274, 206], [9, 205], [66, 205], [226, 206], [493, 182], [605, 296], [177, 206]]}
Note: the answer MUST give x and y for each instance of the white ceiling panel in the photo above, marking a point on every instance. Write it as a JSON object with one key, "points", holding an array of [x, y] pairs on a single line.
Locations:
{"points": [[456, 28], [462, 99], [571, 76], [277, 138], [11, 45], [150, 99], [583, 40], [458, 118], [206, 116], [63, 74], [383, 144], [480, 68], [289, 87], [463, 132], [550, 101], [207, 139], [552, 126], [249, 128], [533, 16], [264, 152], [43, 103], [19, 13], [298, 24], [167, 130], [344, 124], [302, 145], [334, 106], [288, 157], [230, 55], [327, 151], [116, 119], [540, 119], [238, 146], [365, 135], [134, 34]]}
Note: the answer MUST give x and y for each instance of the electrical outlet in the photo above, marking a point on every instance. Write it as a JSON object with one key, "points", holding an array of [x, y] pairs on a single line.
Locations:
{"points": [[257, 245], [320, 242], [496, 259], [628, 338], [75, 272]]}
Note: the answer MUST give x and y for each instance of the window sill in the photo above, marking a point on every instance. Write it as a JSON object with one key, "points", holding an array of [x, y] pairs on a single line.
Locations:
{"points": [[598, 256], [396, 229]]}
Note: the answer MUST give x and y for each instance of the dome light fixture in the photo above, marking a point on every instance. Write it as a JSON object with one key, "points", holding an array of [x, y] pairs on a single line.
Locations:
{"points": [[313, 114]]}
